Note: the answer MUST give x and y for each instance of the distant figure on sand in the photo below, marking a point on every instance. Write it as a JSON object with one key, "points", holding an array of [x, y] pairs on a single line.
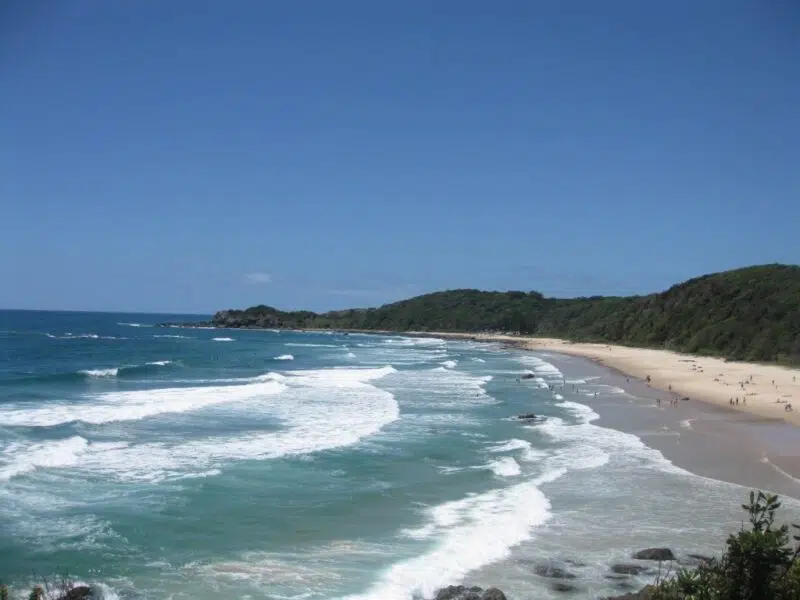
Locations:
{"points": [[788, 408]]}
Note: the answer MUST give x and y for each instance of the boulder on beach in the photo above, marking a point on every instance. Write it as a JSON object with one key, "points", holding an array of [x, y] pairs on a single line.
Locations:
{"points": [[654, 554]]}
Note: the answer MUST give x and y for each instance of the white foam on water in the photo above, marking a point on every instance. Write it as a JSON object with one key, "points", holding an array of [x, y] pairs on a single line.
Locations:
{"points": [[505, 467], [591, 446], [134, 325], [351, 355], [19, 458], [528, 452], [134, 405], [444, 388], [300, 345], [414, 341], [222, 339], [469, 533], [449, 364], [480, 360], [100, 372], [175, 337], [284, 357], [548, 372], [319, 410], [160, 363]]}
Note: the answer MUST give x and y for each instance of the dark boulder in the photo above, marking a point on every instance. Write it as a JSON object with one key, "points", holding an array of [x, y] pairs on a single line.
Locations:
{"points": [[80, 592], [562, 586], [654, 554], [628, 569], [528, 416], [553, 572], [527, 376], [458, 592], [643, 594], [461, 592]]}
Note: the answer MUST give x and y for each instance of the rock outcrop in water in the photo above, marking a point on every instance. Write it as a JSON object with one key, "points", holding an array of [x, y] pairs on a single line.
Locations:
{"points": [[661, 554], [461, 592]]}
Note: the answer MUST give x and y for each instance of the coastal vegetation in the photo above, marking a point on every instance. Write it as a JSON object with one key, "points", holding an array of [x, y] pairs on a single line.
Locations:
{"points": [[750, 314]]}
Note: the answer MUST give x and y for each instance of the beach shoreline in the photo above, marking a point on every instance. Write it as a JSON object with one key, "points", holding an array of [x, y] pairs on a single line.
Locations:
{"points": [[762, 390], [700, 437]]}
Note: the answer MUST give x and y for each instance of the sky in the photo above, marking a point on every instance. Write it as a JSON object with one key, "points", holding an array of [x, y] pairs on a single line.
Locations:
{"points": [[189, 156]]}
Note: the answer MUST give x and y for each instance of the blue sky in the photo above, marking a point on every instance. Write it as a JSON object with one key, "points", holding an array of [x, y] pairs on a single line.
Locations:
{"points": [[189, 156]]}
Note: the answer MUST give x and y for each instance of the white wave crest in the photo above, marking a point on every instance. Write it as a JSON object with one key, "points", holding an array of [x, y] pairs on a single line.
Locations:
{"points": [[353, 409], [100, 372], [18, 458], [449, 364], [160, 363], [472, 532], [541, 368], [284, 357], [135, 405], [222, 339], [505, 467], [528, 454], [299, 345]]}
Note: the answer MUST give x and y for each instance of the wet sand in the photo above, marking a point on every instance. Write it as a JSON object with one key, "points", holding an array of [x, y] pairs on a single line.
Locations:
{"points": [[706, 439]]}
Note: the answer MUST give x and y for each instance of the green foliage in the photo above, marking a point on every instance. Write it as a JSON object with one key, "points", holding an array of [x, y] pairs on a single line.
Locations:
{"points": [[758, 563], [746, 314]]}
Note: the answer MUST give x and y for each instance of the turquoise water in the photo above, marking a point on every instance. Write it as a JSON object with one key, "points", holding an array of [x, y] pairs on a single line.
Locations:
{"points": [[182, 463]]}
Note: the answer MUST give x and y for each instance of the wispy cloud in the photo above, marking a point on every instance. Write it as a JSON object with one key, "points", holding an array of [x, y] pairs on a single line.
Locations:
{"points": [[258, 278]]}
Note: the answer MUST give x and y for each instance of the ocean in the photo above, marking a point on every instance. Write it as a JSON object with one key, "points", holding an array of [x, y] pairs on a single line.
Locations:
{"points": [[197, 463]]}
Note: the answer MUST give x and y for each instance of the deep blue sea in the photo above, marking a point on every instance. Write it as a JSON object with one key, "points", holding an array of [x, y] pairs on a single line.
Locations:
{"points": [[169, 463]]}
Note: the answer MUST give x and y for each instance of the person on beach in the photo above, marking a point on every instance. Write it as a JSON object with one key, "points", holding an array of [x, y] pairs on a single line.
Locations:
{"points": [[737, 400]]}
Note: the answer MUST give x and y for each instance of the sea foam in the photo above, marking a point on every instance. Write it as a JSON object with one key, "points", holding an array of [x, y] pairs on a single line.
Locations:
{"points": [[19, 457], [134, 405], [470, 533]]}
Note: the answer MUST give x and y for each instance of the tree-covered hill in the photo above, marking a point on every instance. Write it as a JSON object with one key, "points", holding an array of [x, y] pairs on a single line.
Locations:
{"points": [[745, 314]]}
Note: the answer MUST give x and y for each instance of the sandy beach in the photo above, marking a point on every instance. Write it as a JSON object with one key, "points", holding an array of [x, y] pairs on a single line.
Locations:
{"points": [[761, 390]]}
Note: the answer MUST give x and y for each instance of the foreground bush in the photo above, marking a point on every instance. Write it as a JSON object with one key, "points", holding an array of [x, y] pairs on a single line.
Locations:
{"points": [[758, 564]]}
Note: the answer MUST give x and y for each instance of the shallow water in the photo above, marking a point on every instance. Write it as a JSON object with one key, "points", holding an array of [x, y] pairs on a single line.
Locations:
{"points": [[178, 463]]}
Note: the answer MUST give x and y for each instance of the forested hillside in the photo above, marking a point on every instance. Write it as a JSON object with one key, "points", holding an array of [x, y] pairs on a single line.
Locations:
{"points": [[745, 314]]}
